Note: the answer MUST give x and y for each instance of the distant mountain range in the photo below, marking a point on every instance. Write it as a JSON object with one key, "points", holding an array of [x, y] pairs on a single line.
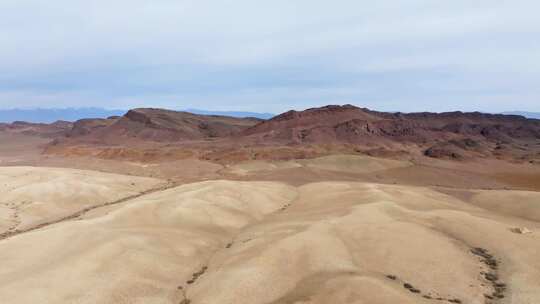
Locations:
{"points": [[74, 114], [232, 113], [52, 115], [42, 115], [526, 114]]}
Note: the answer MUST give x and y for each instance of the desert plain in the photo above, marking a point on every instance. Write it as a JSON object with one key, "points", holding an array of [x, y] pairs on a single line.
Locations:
{"points": [[338, 226]]}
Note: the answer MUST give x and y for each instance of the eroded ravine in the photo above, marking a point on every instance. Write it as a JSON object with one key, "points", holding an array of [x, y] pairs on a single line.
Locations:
{"points": [[184, 288]]}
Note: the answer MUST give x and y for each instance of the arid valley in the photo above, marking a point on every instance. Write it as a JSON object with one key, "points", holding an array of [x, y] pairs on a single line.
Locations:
{"points": [[269, 152], [336, 204]]}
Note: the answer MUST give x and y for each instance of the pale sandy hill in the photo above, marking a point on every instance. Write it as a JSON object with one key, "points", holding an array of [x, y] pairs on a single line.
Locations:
{"points": [[30, 196], [338, 242], [140, 253], [353, 163], [257, 166], [267, 242], [339, 163], [523, 204]]}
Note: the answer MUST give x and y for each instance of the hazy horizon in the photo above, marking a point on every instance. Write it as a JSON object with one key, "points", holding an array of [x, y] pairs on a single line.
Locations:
{"points": [[49, 115]]}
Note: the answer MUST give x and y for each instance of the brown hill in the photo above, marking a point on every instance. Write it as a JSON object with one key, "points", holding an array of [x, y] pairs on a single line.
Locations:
{"points": [[158, 125], [87, 126], [448, 135], [316, 131]]}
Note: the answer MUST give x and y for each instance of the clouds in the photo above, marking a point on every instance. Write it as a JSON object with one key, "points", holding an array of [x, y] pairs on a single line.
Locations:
{"points": [[270, 55]]}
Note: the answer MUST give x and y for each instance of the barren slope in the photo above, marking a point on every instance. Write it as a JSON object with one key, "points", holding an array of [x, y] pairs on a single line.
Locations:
{"points": [[338, 163], [31, 196], [53, 130], [453, 135], [266, 242], [158, 134], [361, 243], [139, 253], [158, 125]]}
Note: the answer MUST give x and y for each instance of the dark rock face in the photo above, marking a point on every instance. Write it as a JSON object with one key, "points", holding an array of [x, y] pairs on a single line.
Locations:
{"points": [[453, 135], [455, 148], [138, 116], [87, 126], [441, 152]]}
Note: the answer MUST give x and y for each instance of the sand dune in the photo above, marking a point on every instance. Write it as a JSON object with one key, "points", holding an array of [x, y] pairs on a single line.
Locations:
{"points": [[267, 242]]}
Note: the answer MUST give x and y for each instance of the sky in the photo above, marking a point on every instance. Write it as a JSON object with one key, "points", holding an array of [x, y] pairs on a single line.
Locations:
{"points": [[271, 56]]}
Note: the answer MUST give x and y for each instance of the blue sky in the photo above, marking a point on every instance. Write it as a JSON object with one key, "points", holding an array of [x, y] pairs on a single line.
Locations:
{"points": [[271, 56]]}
